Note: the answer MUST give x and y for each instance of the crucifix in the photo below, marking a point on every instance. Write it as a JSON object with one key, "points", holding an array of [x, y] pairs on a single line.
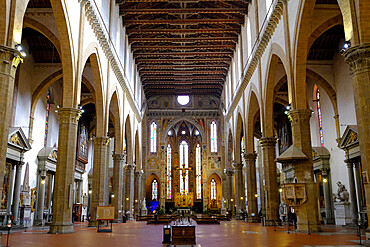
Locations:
{"points": [[183, 173]]}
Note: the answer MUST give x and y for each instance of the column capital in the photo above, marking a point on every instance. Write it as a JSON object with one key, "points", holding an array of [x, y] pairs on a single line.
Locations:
{"points": [[10, 58], [268, 141], [250, 157], [229, 171], [101, 141], [130, 167], [237, 166], [358, 58], [119, 157], [69, 115], [139, 173], [299, 115]]}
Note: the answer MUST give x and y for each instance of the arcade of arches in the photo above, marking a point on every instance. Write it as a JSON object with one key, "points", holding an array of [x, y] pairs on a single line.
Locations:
{"points": [[246, 109]]}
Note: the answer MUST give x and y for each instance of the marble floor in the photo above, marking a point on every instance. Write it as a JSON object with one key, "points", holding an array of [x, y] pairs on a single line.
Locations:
{"points": [[231, 233]]}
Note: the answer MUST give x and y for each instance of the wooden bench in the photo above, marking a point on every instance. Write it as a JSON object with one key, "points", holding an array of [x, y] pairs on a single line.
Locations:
{"points": [[205, 219], [160, 219]]}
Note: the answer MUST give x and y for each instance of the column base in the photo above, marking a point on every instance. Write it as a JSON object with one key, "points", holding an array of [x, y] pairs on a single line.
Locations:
{"points": [[61, 229], [308, 228]]}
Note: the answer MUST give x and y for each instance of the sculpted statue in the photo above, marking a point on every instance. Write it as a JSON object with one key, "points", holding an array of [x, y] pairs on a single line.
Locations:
{"points": [[143, 205], [342, 194]]}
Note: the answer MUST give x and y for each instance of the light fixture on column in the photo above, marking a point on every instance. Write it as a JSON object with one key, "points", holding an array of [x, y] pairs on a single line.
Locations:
{"points": [[112, 195], [232, 200], [20, 49], [255, 195], [280, 190], [325, 180], [42, 181], [346, 45], [241, 198], [126, 198], [287, 109], [90, 191]]}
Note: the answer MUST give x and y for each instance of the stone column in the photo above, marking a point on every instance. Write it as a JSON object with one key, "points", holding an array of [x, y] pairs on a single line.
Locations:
{"points": [[261, 177], [329, 213], [130, 168], [10, 58], [250, 160], [40, 197], [352, 191], [268, 145], [124, 201], [230, 189], [118, 163], [137, 190], [99, 177], [17, 192], [307, 213], [239, 188], [11, 190], [64, 176], [358, 59]]}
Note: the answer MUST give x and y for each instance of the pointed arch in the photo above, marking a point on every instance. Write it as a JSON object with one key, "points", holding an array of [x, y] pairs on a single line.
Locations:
{"points": [[128, 140], [267, 121], [115, 109], [137, 151], [102, 114], [253, 109], [70, 85], [39, 27], [175, 121], [238, 136]]}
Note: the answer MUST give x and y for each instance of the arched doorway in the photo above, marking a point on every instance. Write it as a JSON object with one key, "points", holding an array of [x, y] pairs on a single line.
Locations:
{"points": [[214, 192]]}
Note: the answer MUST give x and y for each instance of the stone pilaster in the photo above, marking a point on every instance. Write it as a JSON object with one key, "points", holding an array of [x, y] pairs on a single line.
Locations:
{"points": [[268, 145], [64, 176], [358, 59], [9, 60], [99, 177], [11, 190], [40, 197], [308, 213], [17, 192], [118, 163], [329, 206], [250, 160], [352, 191], [137, 191], [230, 189], [239, 188], [130, 168]]}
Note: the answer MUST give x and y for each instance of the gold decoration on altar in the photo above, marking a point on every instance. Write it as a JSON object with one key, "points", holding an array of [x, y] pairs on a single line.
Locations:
{"points": [[184, 200]]}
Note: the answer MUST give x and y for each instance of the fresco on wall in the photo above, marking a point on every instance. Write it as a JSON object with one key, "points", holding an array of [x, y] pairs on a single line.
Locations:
{"points": [[196, 102]]}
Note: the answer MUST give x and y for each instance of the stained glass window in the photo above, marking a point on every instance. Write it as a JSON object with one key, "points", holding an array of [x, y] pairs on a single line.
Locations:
{"points": [[198, 171], [47, 118], [154, 189], [124, 144], [213, 189], [213, 137], [242, 146], [184, 161], [153, 137], [319, 116], [169, 171]]}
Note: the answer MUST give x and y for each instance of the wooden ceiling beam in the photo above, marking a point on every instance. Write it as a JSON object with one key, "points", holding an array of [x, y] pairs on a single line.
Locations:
{"points": [[124, 11], [179, 67], [215, 82], [185, 40], [181, 72], [213, 77], [180, 47], [183, 54], [182, 31], [178, 1], [183, 61], [183, 21]]}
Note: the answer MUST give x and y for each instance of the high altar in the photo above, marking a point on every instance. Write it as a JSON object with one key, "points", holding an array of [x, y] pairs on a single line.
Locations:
{"points": [[184, 200]]}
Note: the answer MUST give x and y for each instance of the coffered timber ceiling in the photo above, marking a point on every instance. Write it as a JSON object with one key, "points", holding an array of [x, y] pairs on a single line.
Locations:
{"points": [[180, 46]]}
